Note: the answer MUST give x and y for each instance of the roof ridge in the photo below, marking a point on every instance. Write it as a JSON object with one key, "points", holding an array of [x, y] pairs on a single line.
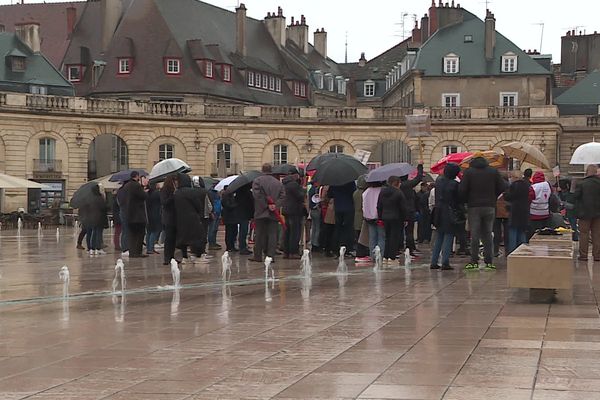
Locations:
{"points": [[57, 3]]}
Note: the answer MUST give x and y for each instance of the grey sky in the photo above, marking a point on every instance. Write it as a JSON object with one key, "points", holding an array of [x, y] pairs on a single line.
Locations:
{"points": [[374, 26]]}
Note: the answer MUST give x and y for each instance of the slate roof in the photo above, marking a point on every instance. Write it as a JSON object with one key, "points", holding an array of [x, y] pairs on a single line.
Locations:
{"points": [[378, 67], [38, 70], [450, 39], [52, 18], [586, 91]]}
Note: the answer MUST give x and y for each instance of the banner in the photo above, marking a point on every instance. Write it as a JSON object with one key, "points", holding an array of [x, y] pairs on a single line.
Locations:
{"points": [[418, 125], [362, 156]]}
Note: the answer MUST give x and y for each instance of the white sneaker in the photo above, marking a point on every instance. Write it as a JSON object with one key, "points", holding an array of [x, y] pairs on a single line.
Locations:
{"points": [[159, 246], [100, 252], [125, 254], [193, 259], [92, 253]]}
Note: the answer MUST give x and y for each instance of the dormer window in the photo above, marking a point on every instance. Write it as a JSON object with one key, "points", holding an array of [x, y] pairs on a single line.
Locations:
{"points": [[278, 85], [18, 64], [451, 64], [173, 66], [271, 82], [341, 85], [125, 65], [319, 79], [226, 72], [251, 78], [369, 88], [299, 89], [207, 67], [468, 38], [509, 62], [329, 79], [74, 73]]}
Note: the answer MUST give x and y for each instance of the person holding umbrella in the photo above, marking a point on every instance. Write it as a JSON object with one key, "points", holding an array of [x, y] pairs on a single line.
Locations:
{"points": [[268, 195], [408, 189], [587, 197], [391, 209], [189, 212], [169, 219], [230, 219], [136, 196], [94, 211], [343, 197]]}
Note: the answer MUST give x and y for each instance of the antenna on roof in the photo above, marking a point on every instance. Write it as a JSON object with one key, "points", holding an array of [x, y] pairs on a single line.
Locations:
{"points": [[346, 55], [541, 24]]}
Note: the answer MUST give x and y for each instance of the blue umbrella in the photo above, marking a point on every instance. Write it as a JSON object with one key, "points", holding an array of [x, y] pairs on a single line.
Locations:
{"points": [[123, 176], [382, 173]]}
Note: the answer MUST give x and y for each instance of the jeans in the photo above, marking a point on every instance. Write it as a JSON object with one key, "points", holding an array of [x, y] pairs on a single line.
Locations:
{"points": [[231, 233], [481, 221], [94, 238], [315, 227], [243, 235], [124, 232], [151, 239], [265, 242], [394, 238], [424, 228], [516, 237], [213, 228], [443, 244], [344, 226], [376, 238], [575, 228], [292, 234]]}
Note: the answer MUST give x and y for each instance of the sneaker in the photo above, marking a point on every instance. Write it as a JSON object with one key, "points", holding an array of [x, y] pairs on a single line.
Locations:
{"points": [[434, 267], [471, 266], [192, 259], [362, 259], [490, 267], [80, 247], [125, 254], [100, 252], [92, 253]]}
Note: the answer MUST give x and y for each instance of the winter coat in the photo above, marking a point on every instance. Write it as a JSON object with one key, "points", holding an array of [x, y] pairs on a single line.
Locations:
{"points": [[423, 202], [189, 212], [408, 189], [517, 195], [116, 212], [134, 199], [94, 212], [245, 203], [391, 205], [447, 200], [587, 196], [153, 207], [293, 205], [168, 217], [229, 209], [216, 201], [343, 196], [481, 184], [263, 188]]}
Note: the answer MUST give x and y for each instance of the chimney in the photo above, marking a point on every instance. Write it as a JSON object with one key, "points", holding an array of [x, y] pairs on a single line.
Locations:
{"points": [[425, 28], [490, 35], [362, 61], [416, 35], [298, 33], [320, 42], [433, 19], [275, 24], [240, 30], [111, 15], [29, 33], [71, 19]]}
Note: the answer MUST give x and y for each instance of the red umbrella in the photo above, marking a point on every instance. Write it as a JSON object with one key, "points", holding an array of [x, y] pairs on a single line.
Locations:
{"points": [[438, 167]]}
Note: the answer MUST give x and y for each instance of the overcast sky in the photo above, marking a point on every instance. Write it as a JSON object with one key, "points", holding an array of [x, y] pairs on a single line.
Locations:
{"points": [[375, 25]]}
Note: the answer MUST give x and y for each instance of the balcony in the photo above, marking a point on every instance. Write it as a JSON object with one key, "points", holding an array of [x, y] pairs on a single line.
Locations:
{"points": [[593, 121], [509, 113], [438, 113], [47, 169]]}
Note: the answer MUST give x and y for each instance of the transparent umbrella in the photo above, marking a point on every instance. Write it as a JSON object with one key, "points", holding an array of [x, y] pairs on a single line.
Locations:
{"points": [[588, 153], [167, 167]]}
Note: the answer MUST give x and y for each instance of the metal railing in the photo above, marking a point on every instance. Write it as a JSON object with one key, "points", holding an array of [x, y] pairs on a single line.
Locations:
{"points": [[47, 165]]}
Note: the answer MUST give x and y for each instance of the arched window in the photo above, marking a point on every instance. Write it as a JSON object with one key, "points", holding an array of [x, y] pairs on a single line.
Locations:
{"points": [[224, 153], [451, 149], [280, 154], [336, 148], [165, 151]]}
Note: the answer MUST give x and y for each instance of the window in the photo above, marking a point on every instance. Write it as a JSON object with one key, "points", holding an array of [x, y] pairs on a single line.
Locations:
{"points": [[257, 80], [450, 100], [173, 66], [208, 69], [47, 151], [278, 85], [468, 38], [36, 89], [369, 89], [18, 64], [125, 65], [302, 89], [165, 151], [336, 148], [250, 78], [508, 99], [319, 78], [451, 64], [265, 81], [280, 154], [341, 85], [226, 72], [329, 83], [271, 82], [509, 63], [451, 149], [74, 73], [224, 151], [299, 89]]}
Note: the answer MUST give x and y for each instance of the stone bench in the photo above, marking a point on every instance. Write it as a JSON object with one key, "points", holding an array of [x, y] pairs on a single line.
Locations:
{"points": [[541, 265], [565, 238]]}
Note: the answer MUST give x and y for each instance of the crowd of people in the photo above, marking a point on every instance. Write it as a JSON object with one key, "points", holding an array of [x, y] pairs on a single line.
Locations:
{"points": [[281, 212]]}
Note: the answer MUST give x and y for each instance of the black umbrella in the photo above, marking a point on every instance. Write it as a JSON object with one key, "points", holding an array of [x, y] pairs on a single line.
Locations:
{"points": [[83, 195], [209, 181], [339, 171], [323, 158], [123, 176], [285, 169], [243, 180]]}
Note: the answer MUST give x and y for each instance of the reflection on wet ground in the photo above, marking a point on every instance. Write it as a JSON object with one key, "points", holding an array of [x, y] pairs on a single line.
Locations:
{"points": [[338, 333]]}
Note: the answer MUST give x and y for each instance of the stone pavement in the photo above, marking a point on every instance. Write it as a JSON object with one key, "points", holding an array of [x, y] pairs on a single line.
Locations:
{"points": [[396, 334]]}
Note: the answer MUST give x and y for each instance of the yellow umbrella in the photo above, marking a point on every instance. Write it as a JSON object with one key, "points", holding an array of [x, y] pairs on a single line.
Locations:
{"points": [[496, 160], [526, 152]]}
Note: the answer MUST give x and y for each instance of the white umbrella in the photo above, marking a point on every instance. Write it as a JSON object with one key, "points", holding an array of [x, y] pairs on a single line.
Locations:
{"points": [[225, 182], [588, 153], [167, 167], [106, 184], [12, 182]]}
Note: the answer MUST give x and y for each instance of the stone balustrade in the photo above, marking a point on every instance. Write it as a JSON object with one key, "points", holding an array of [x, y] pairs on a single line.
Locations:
{"points": [[593, 121], [179, 110]]}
